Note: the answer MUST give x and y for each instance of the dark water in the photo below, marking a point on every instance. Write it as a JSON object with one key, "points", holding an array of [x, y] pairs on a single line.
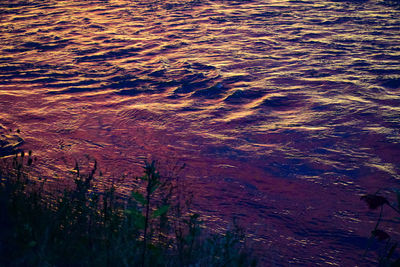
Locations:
{"points": [[284, 111]]}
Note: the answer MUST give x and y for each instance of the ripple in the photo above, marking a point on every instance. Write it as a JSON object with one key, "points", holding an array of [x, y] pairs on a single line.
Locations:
{"points": [[297, 96], [243, 96]]}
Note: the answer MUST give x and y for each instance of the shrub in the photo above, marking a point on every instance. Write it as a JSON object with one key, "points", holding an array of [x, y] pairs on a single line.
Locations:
{"points": [[82, 226]]}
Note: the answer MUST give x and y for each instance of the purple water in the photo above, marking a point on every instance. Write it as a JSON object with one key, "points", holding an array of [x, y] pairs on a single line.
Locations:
{"points": [[285, 112]]}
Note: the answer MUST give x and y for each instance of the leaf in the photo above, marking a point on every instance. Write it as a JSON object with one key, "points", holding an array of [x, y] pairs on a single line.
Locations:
{"points": [[138, 197], [129, 212], [161, 211], [380, 235], [139, 222], [374, 201], [154, 187], [137, 217], [133, 212]]}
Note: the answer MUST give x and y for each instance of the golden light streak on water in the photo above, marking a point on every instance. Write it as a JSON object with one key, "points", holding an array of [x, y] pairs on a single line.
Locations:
{"points": [[268, 102]]}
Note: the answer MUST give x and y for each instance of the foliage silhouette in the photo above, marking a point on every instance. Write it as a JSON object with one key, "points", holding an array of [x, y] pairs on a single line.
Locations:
{"points": [[84, 226], [388, 256]]}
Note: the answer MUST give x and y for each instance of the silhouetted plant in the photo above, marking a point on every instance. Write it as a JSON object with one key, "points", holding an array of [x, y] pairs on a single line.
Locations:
{"points": [[375, 201], [83, 226], [142, 215]]}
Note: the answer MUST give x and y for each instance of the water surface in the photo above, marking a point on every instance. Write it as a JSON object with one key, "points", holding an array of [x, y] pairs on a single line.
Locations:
{"points": [[284, 111]]}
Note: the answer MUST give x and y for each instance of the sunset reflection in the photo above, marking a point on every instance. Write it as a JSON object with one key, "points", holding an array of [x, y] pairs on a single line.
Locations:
{"points": [[285, 112]]}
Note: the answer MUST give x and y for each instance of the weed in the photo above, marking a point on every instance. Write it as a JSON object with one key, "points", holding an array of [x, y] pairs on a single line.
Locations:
{"points": [[83, 226]]}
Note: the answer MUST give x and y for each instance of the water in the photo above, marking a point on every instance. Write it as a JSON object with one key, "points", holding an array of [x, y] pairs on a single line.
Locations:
{"points": [[284, 111]]}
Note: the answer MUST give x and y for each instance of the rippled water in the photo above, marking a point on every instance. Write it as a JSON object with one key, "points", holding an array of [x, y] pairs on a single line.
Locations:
{"points": [[284, 111]]}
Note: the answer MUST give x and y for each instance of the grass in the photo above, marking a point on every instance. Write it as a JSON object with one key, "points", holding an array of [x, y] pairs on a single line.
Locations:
{"points": [[82, 226]]}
